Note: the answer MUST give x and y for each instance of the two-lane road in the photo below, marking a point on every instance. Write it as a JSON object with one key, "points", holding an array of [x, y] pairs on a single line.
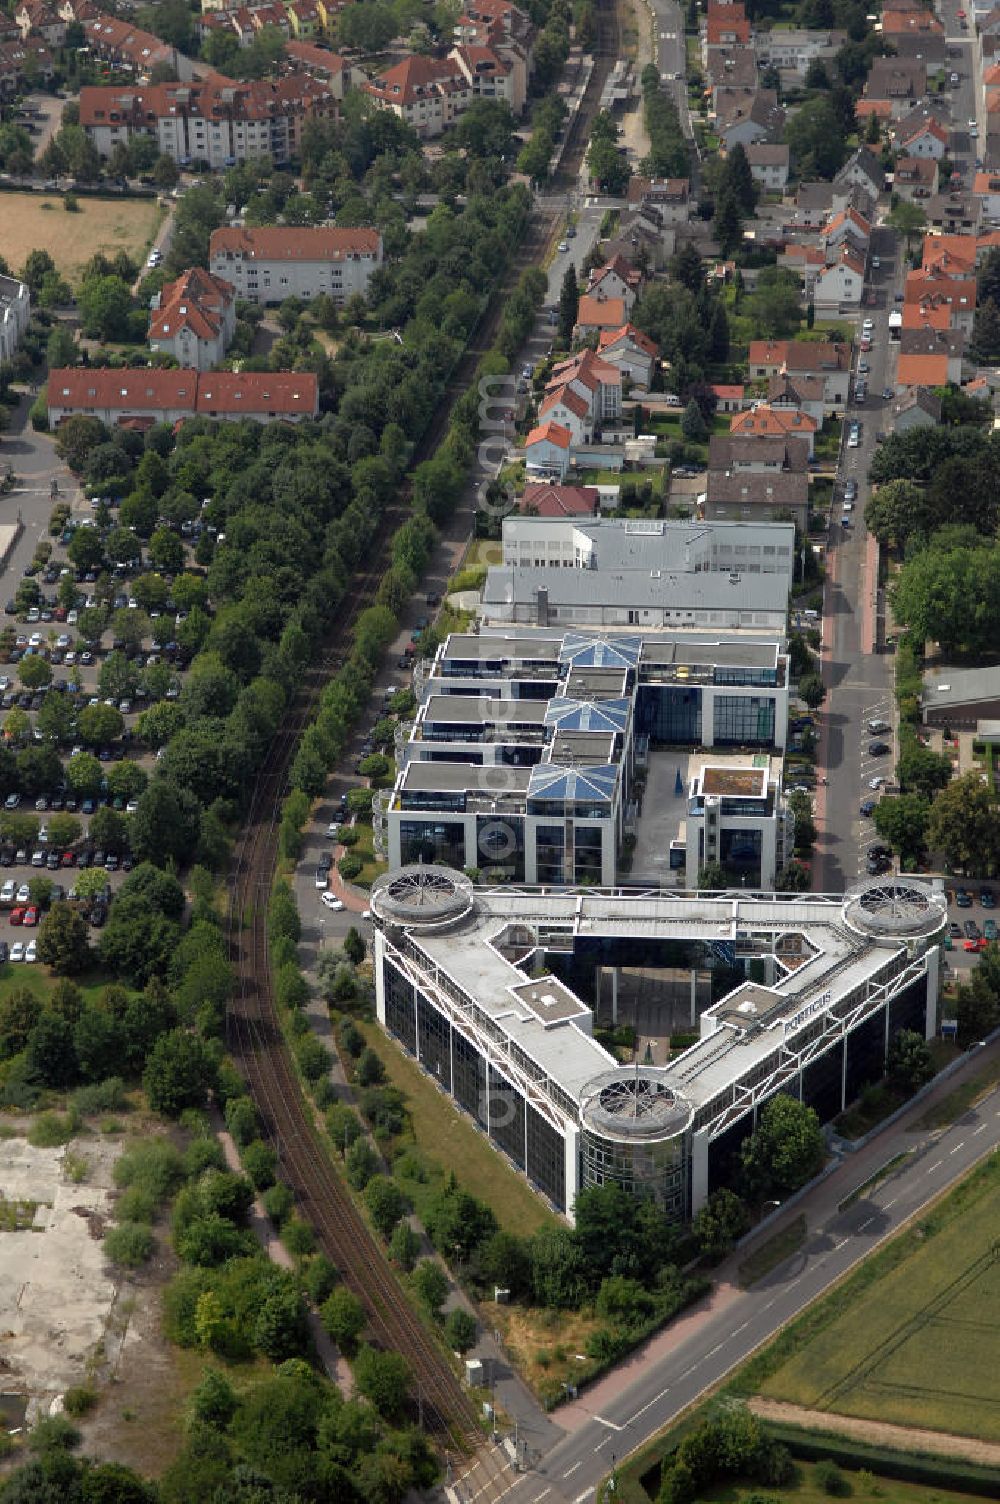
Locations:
{"points": [[622, 1411]]}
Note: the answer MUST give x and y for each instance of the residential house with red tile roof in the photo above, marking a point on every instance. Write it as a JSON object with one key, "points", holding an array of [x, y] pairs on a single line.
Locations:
{"points": [[546, 450], [795, 393], [840, 286], [729, 398], [24, 61], [828, 361], [617, 278], [213, 119], [771, 422], [727, 24], [269, 263], [918, 22], [327, 67], [568, 408], [549, 499], [127, 46], [633, 352], [932, 290], [596, 314], [929, 140], [488, 74], [429, 93], [142, 398], [35, 18], [194, 319]]}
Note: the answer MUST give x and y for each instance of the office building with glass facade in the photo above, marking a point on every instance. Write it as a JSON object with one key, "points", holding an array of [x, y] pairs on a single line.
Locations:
{"points": [[486, 989], [521, 761]]}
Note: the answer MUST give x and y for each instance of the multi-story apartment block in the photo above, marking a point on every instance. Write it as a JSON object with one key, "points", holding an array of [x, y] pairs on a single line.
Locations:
{"points": [[274, 262]]}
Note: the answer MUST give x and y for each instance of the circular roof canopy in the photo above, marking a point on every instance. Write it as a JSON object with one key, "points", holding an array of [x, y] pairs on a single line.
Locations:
{"points": [[634, 1105], [422, 896], [894, 905]]}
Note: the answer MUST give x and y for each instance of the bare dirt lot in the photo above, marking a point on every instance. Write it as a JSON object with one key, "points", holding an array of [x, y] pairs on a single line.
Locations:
{"points": [[57, 1293], [38, 222]]}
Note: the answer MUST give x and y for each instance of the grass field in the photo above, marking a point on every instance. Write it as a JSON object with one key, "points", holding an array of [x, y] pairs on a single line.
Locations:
{"points": [[33, 222], [442, 1134], [865, 1488], [912, 1339], [40, 980]]}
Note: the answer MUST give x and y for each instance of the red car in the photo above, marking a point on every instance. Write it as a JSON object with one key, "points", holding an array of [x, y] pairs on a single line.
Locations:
{"points": [[31, 917], [978, 945], [17, 916], [68, 859]]}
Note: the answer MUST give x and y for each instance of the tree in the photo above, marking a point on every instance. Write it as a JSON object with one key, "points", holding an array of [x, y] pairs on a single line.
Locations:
{"points": [[261, 1164], [738, 179], [815, 139], [785, 1149], [99, 724], [34, 672], [109, 829], [167, 822], [910, 1063], [901, 821], [20, 1011], [812, 691], [569, 304], [343, 1318], [178, 1073], [908, 219], [720, 1223], [431, 1285], [370, 1070], [712, 878], [728, 223], [686, 268], [921, 771], [964, 826], [105, 305], [460, 1330], [354, 946], [897, 511], [383, 1378], [776, 304], [62, 940], [50, 1052], [280, 1330], [693, 425], [404, 1246], [385, 1204], [985, 344]]}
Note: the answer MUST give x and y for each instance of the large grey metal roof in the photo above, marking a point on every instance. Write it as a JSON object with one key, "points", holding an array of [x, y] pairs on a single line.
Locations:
{"points": [[708, 591], [834, 953]]}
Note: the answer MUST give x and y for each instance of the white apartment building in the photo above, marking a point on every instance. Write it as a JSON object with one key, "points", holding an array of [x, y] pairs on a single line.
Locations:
{"points": [[273, 262], [15, 311]]}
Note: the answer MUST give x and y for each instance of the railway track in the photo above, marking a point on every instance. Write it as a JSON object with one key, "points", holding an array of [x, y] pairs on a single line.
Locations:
{"points": [[255, 1039]]}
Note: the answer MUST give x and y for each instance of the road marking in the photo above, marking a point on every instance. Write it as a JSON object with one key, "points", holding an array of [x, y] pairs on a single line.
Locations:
{"points": [[769, 1304], [740, 1329], [890, 1203], [573, 1469], [580, 1497], [936, 1166], [611, 1425], [648, 1406], [957, 1147], [980, 1129], [866, 1224], [543, 1495]]}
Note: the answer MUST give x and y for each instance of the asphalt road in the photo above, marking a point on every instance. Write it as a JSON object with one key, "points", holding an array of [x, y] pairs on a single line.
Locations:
{"points": [[616, 1416], [859, 682]]}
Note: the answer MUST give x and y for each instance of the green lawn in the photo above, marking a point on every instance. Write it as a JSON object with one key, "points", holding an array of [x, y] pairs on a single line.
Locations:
{"points": [[442, 1134], [865, 1488], [911, 1338], [772, 1252], [40, 980]]}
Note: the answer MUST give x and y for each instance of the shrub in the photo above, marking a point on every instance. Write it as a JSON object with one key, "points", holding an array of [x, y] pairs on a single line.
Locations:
{"points": [[460, 1330], [299, 1237], [343, 1126], [130, 1244], [371, 1071], [362, 1162], [153, 1164], [313, 1058], [49, 1130], [136, 1205], [79, 1399], [831, 1480], [241, 1119], [431, 1285], [351, 1038], [260, 1163], [343, 1318], [278, 1202], [349, 866], [102, 1096], [320, 1279], [54, 1434]]}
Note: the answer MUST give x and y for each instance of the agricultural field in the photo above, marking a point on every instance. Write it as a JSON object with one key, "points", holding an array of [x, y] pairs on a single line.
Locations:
{"points": [[36, 222], [917, 1345]]}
